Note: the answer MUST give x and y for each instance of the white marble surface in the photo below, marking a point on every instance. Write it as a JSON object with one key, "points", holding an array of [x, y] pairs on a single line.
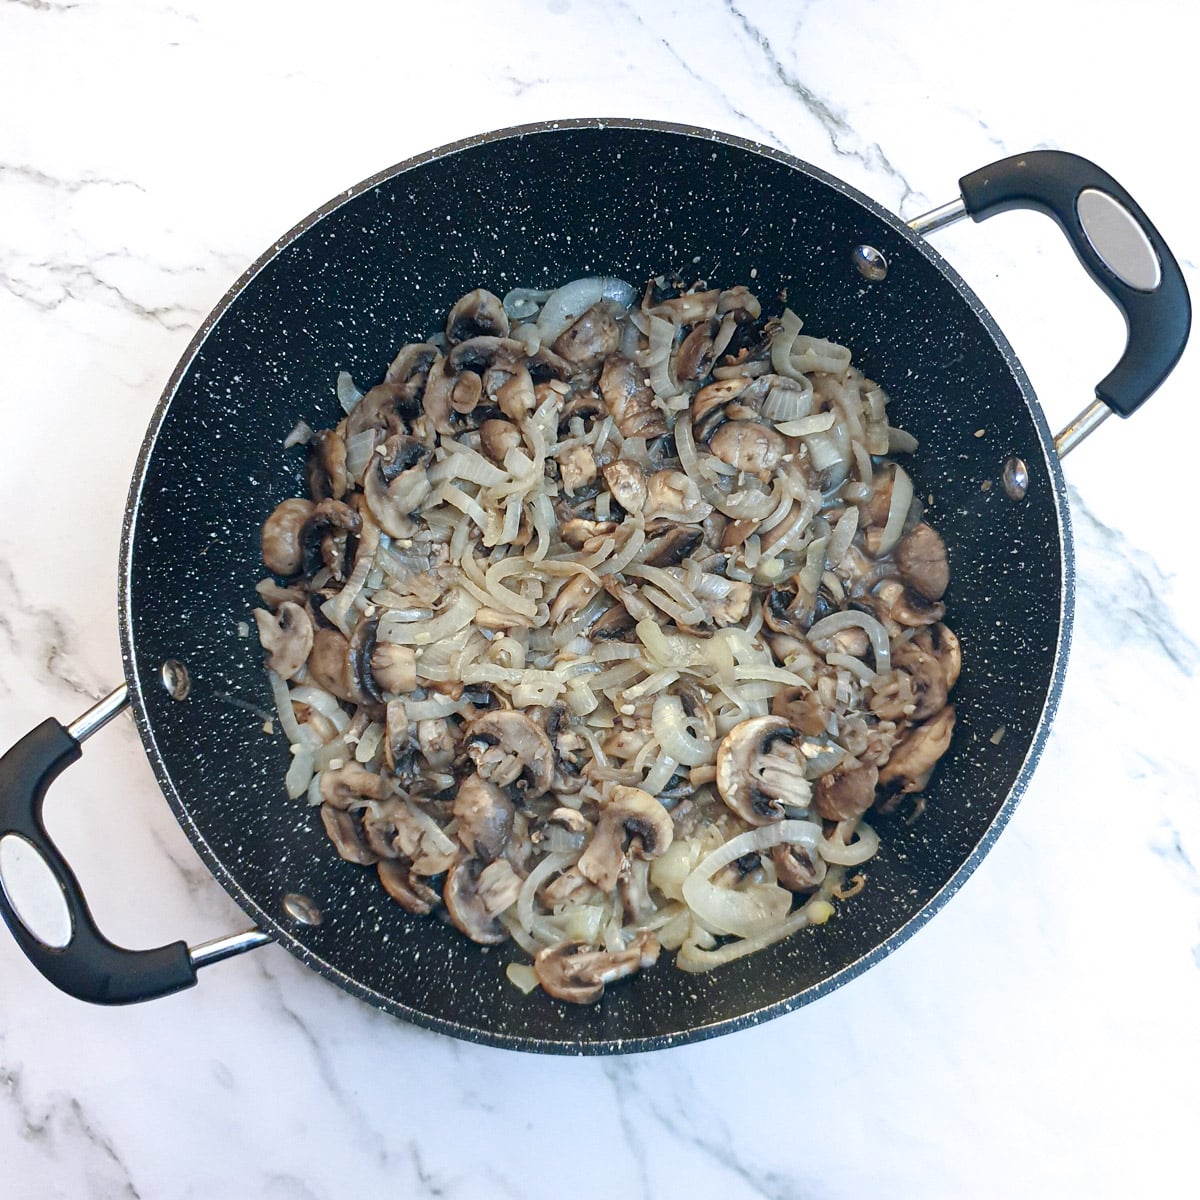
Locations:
{"points": [[1038, 1038]]}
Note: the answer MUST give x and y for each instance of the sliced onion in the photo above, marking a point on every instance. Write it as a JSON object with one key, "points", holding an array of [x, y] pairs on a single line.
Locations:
{"points": [[754, 910], [681, 737], [458, 615], [566, 305], [301, 435], [299, 774], [782, 343], [521, 303], [348, 393], [746, 505], [359, 448], [552, 864], [902, 497], [817, 423], [852, 618], [853, 854]]}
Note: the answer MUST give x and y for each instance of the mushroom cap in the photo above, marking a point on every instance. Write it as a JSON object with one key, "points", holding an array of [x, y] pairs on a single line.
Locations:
{"points": [[479, 313], [592, 337], [759, 768], [506, 746], [630, 399], [346, 833], [409, 892], [628, 814], [912, 761], [845, 792], [485, 817], [283, 537], [748, 446], [577, 971], [796, 868], [466, 907], [341, 786], [287, 637], [921, 558], [499, 437], [627, 483]]}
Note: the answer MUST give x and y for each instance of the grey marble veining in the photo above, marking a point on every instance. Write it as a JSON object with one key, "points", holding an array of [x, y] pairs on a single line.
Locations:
{"points": [[1039, 1037]]}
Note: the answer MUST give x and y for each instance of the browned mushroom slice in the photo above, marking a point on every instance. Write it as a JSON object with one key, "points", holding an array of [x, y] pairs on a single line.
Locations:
{"points": [[326, 466], [592, 338], [437, 742], [396, 482], [801, 707], [409, 892], [895, 602], [912, 761], [921, 558], [498, 438], [674, 546], [630, 399], [760, 768], [478, 314], [675, 496], [283, 535], [394, 668], [688, 308], [476, 895], [485, 817], [578, 972], [576, 468], [411, 366], [479, 353], [330, 666], [630, 817], [346, 833], [694, 358], [286, 636], [341, 786], [507, 747], [574, 596], [748, 446], [946, 646], [845, 792], [627, 483], [796, 868], [928, 680]]}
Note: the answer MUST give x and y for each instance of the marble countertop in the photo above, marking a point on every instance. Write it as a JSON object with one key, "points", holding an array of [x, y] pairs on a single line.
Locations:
{"points": [[1039, 1037]]}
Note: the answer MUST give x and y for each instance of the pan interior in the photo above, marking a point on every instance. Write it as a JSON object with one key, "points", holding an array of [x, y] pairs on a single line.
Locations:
{"points": [[537, 208]]}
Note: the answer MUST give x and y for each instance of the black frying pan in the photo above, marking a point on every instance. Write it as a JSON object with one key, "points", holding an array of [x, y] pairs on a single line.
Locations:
{"points": [[538, 206]]}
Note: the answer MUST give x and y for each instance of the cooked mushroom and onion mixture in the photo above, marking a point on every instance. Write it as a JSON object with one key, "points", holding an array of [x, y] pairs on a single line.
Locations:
{"points": [[604, 625]]}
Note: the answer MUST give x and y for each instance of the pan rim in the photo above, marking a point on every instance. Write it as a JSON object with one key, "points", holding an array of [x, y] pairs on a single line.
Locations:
{"points": [[605, 1046]]}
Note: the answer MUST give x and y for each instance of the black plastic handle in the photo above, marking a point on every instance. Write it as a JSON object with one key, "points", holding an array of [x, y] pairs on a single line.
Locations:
{"points": [[89, 967], [1157, 316]]}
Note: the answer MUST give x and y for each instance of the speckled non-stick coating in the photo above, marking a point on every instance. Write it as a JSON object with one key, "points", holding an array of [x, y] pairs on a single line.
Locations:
{"points": [[537, 207]]}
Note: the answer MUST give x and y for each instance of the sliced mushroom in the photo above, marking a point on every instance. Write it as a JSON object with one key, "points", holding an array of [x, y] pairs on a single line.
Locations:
{"points": [[627, 483], [748, 446], [516, 396], [479, 353], [760, 769], [498, 438], [394, 668], [929, 686], [945, 644], [466, 393], [592, 338], [283, 536], [801, 707], [485, 817], [326, 467], [470, 911], [578, 531], [578, 972], [575, 594], [845, 792], [286, 636], [694, 358], [674, 546], [412, 364], [675, 496], [895, 602], [409, 892], [688, 308], [346, 833], [726, 601], [329, 664], [341, 786], [478, 314], [912, 761], [630, 399], [576, 467], [507, 747], [396, 482], [796, 868], [921, 558], [437, 743], [632, 816]]}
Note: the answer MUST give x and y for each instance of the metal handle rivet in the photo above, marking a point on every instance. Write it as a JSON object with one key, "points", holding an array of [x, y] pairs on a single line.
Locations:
{"points": [[176, 680], [301, 908], [1014, 478], [870, 263]]}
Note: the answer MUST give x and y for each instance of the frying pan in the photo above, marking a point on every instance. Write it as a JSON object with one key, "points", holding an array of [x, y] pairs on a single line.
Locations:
{"points": [[536, 206]]}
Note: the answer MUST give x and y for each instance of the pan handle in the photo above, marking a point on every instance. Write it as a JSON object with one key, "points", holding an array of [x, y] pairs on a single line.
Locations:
{"points": [[41, 900], [1118, 247]]}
